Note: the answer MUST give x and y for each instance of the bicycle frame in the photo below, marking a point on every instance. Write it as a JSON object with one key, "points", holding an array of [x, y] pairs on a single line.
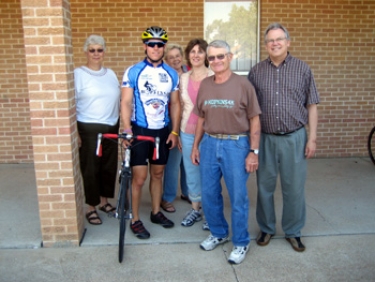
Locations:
{"points": [[125, 174], [124, 200]]}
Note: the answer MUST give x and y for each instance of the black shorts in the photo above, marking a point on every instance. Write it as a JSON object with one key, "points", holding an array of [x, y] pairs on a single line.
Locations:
{"points": [[143, 151]]}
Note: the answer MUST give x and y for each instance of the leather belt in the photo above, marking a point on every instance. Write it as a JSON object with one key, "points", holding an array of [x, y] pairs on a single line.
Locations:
{"points": [[228, 136], [284, 133]]}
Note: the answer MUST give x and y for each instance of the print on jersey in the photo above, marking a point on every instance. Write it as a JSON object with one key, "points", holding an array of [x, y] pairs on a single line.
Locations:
{"points": [[155, 108], [163, 77], [150, 88]]}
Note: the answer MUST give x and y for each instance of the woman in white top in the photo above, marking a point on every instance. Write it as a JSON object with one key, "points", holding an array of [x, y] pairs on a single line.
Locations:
{"points": [[196, 57], [97, 93]]}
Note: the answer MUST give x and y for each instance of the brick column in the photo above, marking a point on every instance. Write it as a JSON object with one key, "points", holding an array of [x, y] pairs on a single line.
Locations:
{"points": [[49, 62]]}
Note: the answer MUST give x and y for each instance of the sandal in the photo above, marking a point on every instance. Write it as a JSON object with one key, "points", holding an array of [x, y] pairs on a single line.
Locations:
{"points": [[91, 219], [107, 208], [167, 206]]}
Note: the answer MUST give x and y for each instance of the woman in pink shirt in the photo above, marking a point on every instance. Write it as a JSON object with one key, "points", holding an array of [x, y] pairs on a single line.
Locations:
{"points": [[196, 57]]}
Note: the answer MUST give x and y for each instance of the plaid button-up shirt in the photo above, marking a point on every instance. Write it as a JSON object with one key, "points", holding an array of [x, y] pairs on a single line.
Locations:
{"points": [[283, 93]]}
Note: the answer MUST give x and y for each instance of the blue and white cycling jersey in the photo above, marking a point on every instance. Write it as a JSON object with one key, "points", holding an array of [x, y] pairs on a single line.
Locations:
{"points": [[152, 88]]}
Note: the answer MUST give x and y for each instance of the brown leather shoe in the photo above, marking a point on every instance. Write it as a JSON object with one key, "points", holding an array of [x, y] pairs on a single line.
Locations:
{"points": [[296, 244], [264, 238]]}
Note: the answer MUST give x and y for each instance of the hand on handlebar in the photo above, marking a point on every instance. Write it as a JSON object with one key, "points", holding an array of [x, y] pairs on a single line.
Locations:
{"points": [[126, 143]]}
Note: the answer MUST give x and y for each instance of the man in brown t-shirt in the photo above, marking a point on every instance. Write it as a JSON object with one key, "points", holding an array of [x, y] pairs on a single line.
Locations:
{"points": [[226, 145]]}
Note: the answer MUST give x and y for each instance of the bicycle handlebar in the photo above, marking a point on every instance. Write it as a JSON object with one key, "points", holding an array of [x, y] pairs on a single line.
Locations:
{"points": [[129, 137]]}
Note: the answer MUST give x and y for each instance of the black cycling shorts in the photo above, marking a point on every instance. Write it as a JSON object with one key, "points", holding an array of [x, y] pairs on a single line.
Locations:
{"points": [[143, 151]]}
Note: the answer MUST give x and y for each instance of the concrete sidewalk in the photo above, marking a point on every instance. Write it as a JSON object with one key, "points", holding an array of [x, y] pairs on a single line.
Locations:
{"points": [[339, 236]]}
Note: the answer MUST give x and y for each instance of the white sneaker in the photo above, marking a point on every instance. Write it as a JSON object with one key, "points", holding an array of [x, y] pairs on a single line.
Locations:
{"points": [[212, 242], [238, 254], [205, 226], [191, 217]]}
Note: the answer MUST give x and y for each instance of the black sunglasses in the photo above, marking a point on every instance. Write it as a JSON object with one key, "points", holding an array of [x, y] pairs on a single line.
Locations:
{"points": [[219, 57], [97, 50], [153, 44]]}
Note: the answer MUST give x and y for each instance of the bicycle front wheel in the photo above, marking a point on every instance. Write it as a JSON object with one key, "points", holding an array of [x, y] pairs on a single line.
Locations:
{"points": [[371, 145], [124, 186]]}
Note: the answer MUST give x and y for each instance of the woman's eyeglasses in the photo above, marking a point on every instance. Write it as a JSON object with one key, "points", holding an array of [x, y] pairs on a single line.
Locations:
{"points": [[153, 44], [97, 50], [219, 57]]}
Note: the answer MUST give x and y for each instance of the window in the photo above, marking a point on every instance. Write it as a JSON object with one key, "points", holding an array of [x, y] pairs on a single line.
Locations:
{"points": [[236, 22]]}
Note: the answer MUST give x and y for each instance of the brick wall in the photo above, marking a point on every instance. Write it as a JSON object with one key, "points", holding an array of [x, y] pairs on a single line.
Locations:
{"points": [[122, 22], [15, 136], [336, 38]]}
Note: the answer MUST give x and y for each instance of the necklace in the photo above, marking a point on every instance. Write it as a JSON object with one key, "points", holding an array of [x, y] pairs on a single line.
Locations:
{"points": [[198, 77]]}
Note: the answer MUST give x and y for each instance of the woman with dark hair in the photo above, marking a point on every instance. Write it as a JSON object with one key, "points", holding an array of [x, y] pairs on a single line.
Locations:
{"points": [[97, 93], [196, 57]]}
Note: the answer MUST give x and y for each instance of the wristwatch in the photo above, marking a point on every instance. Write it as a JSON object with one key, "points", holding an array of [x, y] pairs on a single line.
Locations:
{"points": [[255, 151]]}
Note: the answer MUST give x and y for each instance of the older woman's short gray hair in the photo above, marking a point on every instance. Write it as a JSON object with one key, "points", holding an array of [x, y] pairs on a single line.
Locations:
{"points": [[219, 44], [94, 40], [171, 46]]}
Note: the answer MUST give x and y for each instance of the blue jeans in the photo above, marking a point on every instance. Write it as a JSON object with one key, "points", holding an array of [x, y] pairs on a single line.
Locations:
{"points": [[172, 170], [225, 158], [193, 175]]}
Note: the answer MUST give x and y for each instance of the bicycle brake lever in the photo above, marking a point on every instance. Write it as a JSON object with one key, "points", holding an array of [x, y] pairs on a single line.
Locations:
{"points": [[99, 145], [157, 142]]}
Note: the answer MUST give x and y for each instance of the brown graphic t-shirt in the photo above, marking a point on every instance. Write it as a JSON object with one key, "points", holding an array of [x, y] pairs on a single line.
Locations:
{"points": [[227, 107]]}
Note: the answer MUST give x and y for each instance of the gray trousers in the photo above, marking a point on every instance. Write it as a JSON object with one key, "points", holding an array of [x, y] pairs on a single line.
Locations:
{"points": [[284, 155]]}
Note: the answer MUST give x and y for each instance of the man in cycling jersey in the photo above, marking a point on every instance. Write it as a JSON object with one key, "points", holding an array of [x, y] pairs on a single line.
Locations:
{"points": [[147, 89]]}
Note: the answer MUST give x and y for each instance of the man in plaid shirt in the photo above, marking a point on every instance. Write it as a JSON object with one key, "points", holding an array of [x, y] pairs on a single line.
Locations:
{"points": [[288, 98]]}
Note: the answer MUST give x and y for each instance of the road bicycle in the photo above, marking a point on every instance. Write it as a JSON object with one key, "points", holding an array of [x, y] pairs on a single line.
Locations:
{"points": [[124, 198], [371, 145]]}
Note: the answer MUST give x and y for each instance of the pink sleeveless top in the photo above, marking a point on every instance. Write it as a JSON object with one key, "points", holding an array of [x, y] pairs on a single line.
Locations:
{"points": [[193, 87]]}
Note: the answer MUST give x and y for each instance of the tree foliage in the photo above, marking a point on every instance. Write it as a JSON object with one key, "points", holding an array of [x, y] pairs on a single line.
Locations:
{"points": [[240, 31]]}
